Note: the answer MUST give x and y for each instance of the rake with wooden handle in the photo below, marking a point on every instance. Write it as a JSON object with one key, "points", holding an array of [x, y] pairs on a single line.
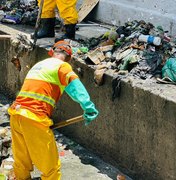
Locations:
{"points": [[67, 122]]}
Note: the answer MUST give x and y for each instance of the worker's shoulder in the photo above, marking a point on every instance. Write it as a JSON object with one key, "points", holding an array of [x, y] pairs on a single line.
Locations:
{"points": [[52, 61], [66, 65]]}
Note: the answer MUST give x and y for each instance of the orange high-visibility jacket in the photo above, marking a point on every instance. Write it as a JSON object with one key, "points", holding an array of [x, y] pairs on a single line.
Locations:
{"points": [[44, 85]]}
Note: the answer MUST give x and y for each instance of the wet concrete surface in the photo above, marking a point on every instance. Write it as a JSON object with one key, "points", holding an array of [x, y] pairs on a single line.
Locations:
{"points": [[77, 163]]}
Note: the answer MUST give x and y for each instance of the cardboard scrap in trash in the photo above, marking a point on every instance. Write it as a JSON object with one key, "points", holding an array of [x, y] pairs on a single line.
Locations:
{"points": [[96, 56], [3, 132], [86, 8], [106, 48], [15, 60], [98, 74], [121, 177]]}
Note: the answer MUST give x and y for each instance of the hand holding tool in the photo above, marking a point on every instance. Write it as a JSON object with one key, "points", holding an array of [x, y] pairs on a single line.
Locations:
{"points": [[67, 122]]}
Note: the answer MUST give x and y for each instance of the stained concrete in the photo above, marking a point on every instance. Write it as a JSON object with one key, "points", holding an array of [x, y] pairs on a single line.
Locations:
{"points": [[136, 132]]}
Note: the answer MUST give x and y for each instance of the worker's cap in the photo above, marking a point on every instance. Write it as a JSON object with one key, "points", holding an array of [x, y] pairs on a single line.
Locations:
{"points": [[63, 45]]}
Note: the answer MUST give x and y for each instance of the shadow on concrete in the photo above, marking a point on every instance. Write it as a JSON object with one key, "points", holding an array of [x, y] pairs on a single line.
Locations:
{"points": [[88, 158]]}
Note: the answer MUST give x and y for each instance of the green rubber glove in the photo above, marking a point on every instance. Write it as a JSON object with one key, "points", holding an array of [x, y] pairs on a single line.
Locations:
{"points": [[78, 93], [169, 69]]}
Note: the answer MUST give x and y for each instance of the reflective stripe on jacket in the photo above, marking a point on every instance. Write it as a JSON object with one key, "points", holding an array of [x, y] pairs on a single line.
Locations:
{"points": [[44, 85]]}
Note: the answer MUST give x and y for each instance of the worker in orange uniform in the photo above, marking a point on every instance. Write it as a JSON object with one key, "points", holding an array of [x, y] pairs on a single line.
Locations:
{"points": [[67, 11], [33, 141]]}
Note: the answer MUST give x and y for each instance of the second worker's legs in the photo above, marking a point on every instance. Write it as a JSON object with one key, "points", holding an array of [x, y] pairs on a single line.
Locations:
{"points": [[69, 14]]}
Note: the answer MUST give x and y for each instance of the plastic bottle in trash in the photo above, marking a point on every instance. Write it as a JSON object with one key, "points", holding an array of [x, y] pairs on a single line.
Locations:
{"points": [[150, 39]]}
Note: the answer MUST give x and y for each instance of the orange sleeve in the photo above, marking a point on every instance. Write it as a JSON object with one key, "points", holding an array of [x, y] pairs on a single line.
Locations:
{"points": [[66, 74]]}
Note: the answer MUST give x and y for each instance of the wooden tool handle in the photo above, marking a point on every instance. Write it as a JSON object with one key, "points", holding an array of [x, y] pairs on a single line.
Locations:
{"points": [[67, 122], [37, 25]]}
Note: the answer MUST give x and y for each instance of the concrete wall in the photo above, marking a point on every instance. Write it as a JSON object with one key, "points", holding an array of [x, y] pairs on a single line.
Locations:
{"points": [[117, 12], [12, 79], [135, 132]]}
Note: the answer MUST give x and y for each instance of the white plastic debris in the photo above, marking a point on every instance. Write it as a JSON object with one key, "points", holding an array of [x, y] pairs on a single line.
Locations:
{"points": [[2, 14]]}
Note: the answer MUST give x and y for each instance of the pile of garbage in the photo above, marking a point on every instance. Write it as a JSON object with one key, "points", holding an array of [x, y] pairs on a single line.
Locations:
{"points": [[18, 11], [137, 48], [6, 159]]}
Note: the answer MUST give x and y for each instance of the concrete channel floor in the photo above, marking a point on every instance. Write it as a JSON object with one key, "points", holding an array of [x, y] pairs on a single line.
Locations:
{"points": [[84, 31], [77, 162]]}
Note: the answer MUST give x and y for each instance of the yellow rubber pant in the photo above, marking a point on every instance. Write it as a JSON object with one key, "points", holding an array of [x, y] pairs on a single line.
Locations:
{"points": [[67, 10], [33, 143]]}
